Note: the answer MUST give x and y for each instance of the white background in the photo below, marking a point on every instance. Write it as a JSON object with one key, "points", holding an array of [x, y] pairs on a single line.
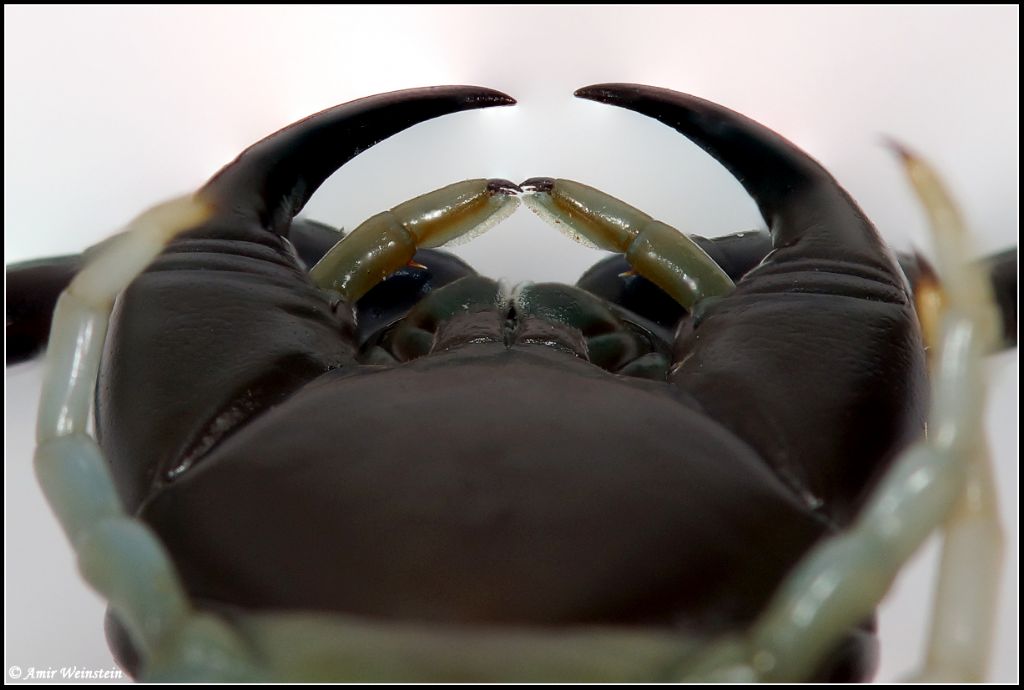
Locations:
{"points": [[108, 110]]}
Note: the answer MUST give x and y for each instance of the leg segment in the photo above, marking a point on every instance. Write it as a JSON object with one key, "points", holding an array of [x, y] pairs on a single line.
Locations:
{"points": [[117, 555], [942, 479], [963, 615], [968, 580]]}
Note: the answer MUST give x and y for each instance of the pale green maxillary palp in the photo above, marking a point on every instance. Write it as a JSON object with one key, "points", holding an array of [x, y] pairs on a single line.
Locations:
{"points": [[389, 240], [656, 251]]}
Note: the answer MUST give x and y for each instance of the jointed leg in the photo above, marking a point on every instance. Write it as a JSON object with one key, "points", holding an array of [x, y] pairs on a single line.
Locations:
{"points": [[942, 479], [117, 554], [969, 570]]}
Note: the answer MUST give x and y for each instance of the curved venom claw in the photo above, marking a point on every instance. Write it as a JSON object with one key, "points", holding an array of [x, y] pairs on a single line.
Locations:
{"points": [[798, 198], [235, 270], [826, 253], [944, 479], [275, 177]]}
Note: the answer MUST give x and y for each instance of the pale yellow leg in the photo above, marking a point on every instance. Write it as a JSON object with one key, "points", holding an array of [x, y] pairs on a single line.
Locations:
{"points": [[963, 615], [970, 568]]}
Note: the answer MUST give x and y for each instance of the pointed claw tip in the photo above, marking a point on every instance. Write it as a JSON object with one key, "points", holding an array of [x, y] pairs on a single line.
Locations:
{"points": [[900, 149], [488, 97], [622, 92], [538, 185], [599, 92], [506, 187]]}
